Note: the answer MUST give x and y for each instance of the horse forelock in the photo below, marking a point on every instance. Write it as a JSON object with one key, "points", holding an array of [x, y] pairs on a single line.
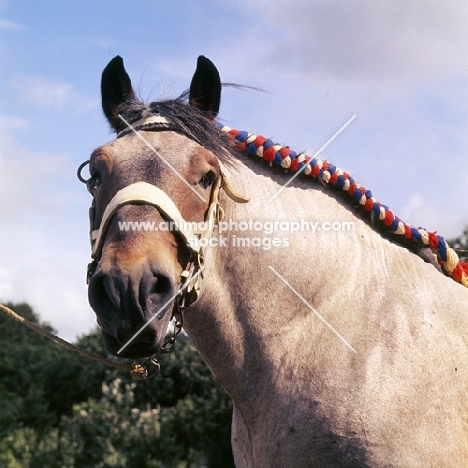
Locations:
{"points": [[187, 120]]}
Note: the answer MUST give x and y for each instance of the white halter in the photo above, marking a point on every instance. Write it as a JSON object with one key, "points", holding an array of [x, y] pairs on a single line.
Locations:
{"points": [[147, 194]]}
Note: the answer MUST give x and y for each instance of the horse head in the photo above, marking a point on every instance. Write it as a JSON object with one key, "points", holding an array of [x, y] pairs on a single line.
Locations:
{"points": [[140, 183]]}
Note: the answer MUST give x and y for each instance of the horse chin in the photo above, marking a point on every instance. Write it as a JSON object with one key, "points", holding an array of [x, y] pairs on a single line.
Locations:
{"points": [[132, 327], [132, 350]]}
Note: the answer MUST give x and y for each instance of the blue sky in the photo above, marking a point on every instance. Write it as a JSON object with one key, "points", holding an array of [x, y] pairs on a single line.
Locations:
{"points": [[401, 67]]}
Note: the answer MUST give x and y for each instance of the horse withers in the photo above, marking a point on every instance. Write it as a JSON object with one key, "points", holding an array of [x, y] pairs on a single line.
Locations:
{"points": [[338, 347]]}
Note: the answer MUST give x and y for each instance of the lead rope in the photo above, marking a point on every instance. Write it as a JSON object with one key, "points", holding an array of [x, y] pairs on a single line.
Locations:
{"points": [[283, 156], [137, 371]]}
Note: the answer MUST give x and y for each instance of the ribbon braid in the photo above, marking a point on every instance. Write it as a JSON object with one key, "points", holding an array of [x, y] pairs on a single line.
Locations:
{"points": [[278, 155]]}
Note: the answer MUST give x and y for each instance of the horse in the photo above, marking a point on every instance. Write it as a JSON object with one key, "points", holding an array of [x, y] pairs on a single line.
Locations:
{"points": [[340, 346]]}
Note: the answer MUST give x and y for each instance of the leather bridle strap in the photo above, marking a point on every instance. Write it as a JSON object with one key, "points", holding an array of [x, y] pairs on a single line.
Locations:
{"points": [[143, 193]]}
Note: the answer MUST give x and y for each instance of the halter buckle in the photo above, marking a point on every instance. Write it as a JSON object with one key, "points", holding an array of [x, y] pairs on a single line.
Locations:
{"points": [[191, 288]]}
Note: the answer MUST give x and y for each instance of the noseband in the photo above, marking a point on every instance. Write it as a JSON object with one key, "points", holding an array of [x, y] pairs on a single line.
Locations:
{"points": [[143, 193]]}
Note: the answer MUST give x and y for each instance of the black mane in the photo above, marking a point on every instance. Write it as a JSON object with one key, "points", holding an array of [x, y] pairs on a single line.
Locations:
{"points": [[187, 120]]}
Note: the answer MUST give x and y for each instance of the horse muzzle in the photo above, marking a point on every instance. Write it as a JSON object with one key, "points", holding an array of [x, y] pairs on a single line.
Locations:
{"points": [[133, 309]]}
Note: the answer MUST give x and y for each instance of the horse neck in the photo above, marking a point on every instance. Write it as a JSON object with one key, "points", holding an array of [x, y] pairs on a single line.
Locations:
{"points": [[254, 332], [230, 323]]}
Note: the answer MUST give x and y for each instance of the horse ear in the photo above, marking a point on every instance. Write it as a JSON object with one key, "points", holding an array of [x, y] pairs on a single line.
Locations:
{"points": [[205, 88], [116, 88]]}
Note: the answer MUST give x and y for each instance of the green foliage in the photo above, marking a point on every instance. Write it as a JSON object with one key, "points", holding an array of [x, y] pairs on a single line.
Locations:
{"points": [[60, 410], [40, 380]]}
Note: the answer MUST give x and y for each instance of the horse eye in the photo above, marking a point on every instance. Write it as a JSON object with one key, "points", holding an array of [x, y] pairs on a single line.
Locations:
{"points": [[207, 179], [94, 182]]}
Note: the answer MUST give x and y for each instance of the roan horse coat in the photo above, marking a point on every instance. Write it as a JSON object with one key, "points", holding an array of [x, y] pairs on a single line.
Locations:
{"points": [[338, 349]]}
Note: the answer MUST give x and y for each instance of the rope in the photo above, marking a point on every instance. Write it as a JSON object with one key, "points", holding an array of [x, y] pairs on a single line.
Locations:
{"points": [[257, 145], [137, 371]]}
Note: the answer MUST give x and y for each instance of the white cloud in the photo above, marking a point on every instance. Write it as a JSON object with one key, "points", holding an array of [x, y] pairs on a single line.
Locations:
{"points": [[11, 123], [48, 94], [28, 181], [8, 25], [43, 266], [56, 291], [43, 241], [42, 92], [372, 40]]}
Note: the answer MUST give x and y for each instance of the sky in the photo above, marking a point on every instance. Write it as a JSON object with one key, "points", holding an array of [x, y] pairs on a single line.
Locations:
{"points": [[401, 67]]}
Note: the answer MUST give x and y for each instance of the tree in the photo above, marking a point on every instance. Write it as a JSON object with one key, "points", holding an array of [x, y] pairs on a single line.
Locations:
{"points": [[40, 379], [60, 410]]}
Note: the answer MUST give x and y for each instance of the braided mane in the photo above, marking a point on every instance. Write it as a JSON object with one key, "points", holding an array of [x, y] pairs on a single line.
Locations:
{"points": [[196, 126], [283, 156]]}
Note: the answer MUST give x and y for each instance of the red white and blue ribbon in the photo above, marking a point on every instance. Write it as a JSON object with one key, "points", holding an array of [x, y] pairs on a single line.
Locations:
{"points": [[275, 154]]}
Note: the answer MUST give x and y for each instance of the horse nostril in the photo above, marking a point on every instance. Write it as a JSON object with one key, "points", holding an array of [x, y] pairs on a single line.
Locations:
{"points": [[102, 293], [107, 293], [153, 284], [163, 285], [160, 293]]}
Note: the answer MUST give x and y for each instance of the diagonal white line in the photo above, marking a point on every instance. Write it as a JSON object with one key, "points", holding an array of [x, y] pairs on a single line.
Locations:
{"points": [[315, 155], [160, 310], [147, 143], [311, 308]]}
